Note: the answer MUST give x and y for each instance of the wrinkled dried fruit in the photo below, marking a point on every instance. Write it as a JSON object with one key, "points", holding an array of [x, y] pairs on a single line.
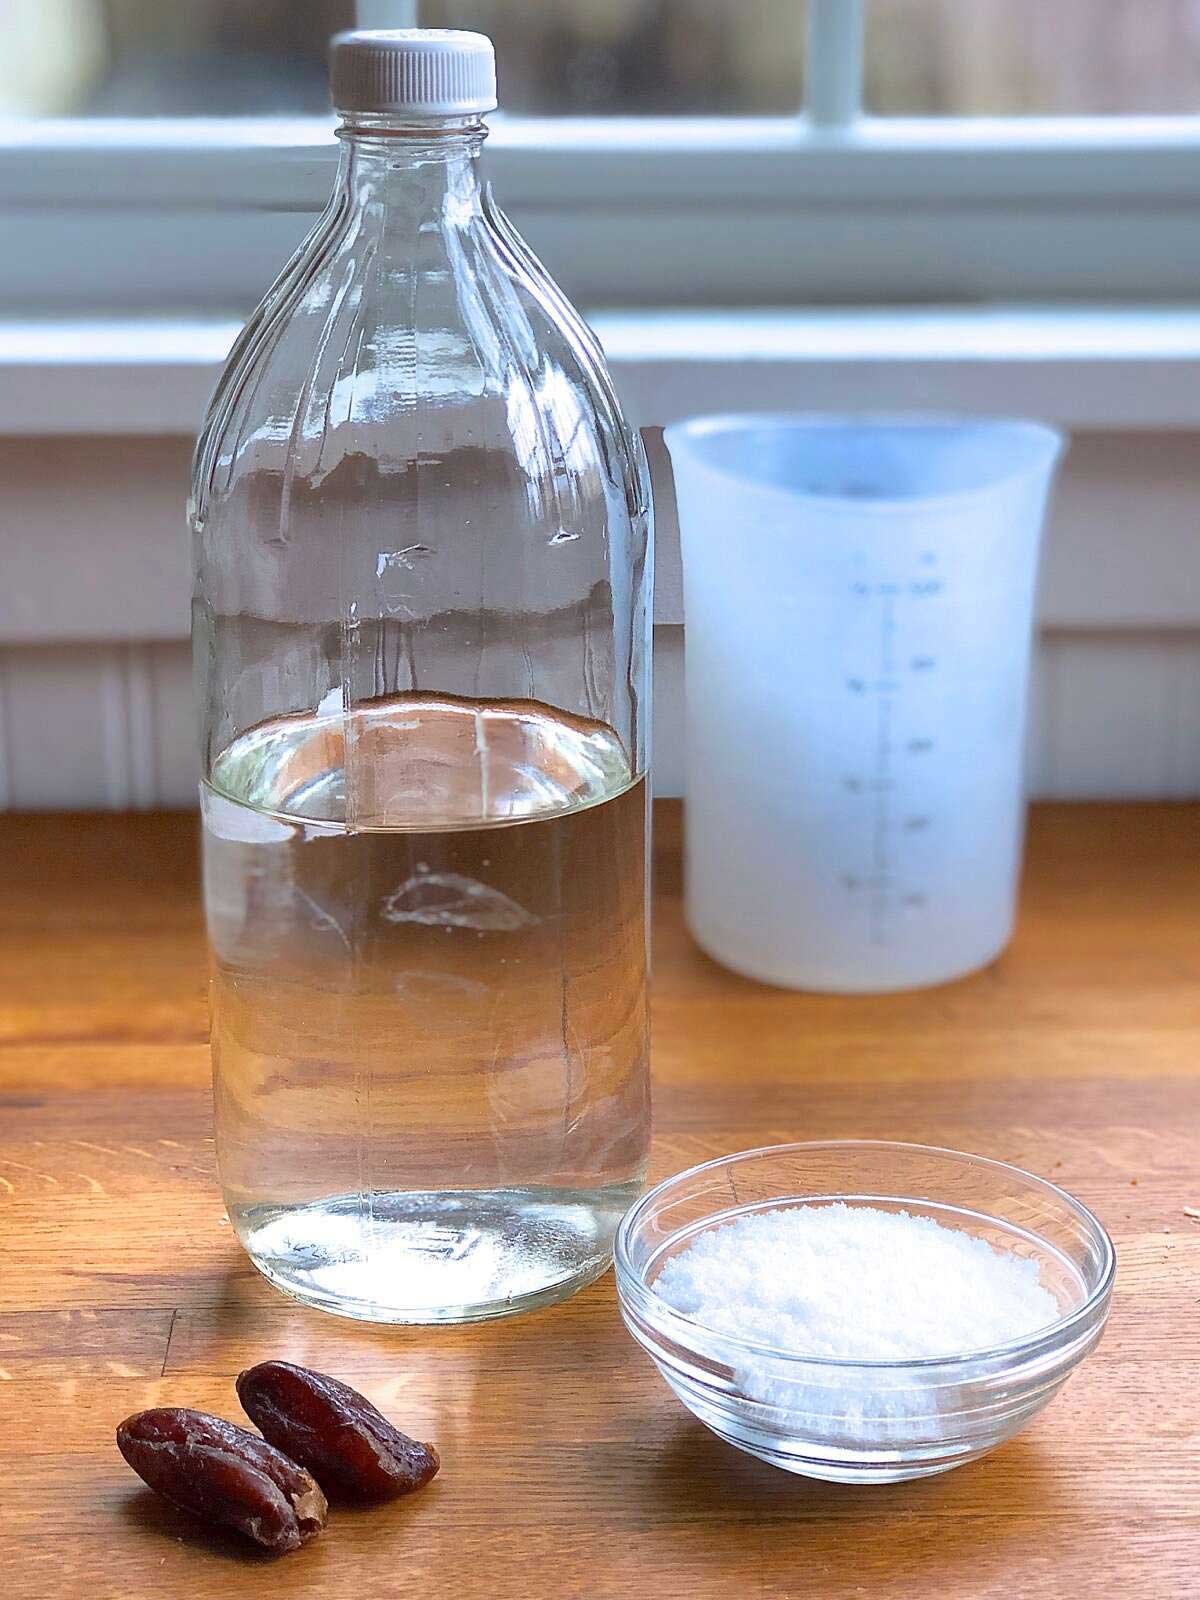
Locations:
{"points": [[224, 1473], [352, 1450]]}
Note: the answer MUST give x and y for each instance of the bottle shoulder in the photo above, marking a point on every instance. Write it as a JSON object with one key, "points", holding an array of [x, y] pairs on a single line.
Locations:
{"points": [[396, 346]]}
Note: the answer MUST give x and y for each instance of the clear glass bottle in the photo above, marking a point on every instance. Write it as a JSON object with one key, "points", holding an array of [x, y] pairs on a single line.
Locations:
{"points": [[421, 627]]}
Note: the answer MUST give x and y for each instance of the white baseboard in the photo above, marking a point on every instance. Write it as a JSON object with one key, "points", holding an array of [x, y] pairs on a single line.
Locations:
{"points": [[111, 726]]}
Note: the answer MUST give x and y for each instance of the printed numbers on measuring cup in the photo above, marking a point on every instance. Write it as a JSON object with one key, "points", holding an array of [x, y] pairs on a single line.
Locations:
{"points": [[889, 588], [891, 672], [923, 588]]}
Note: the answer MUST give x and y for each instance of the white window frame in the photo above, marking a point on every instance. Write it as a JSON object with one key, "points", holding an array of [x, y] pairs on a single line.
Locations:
{"points": [[197, 215]]}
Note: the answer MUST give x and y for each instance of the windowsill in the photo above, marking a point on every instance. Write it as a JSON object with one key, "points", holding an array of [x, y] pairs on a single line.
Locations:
{"points": [[1080, 367]]}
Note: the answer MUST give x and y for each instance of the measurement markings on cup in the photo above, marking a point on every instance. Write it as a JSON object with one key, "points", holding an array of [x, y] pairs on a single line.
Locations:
{"points": [[890, 824]]}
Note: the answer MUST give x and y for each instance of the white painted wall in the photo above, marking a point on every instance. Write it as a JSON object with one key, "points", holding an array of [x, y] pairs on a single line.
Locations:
{"points": [[93, 545]]}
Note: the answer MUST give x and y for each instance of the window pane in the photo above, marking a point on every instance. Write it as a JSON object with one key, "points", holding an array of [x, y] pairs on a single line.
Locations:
{"points": [[131, 58], [638, 57], [1033, 57]]}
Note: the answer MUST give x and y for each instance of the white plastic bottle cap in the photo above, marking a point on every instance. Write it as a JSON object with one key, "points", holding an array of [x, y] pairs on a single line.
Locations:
{"points": [[430, 72]]}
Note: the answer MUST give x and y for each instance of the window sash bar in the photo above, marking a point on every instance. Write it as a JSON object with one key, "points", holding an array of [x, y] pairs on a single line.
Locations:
{"points": [[385, 13], [833, 62]]}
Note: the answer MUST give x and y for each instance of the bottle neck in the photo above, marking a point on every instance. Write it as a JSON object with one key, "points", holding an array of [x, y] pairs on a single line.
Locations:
{"points": [[434, 159]]}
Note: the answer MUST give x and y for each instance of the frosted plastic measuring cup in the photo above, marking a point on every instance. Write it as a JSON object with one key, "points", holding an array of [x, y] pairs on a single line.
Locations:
{"points": [[858, 596]]}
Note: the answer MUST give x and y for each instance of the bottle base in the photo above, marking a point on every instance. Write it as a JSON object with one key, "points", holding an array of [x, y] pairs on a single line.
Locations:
{"points": [[439, 1256]]}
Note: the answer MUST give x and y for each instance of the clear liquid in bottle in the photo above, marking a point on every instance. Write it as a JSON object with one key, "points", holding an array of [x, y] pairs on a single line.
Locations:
{"points": [[429, 1002]]}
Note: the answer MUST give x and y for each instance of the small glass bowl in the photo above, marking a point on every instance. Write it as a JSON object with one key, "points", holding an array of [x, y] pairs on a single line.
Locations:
{"points": [[867, 1421]]}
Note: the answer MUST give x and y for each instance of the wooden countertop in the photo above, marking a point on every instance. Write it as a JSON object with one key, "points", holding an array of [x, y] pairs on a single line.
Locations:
{"points": [[570, 1470]]}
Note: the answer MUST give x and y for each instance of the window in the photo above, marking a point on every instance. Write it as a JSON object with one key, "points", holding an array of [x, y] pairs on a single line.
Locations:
{"points": [[966, 58], [176, 162], [130, 58], [638, 57], [144, 58]]}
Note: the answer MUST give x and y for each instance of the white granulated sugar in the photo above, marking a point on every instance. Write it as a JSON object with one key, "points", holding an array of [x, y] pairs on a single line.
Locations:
{"points": [[855, 1283]]}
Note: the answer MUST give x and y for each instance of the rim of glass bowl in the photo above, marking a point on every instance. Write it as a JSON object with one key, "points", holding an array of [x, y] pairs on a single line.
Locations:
{"points": [[632, 1287]]}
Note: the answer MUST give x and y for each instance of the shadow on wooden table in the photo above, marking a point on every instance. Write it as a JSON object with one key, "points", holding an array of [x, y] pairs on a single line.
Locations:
{"points": [[699, 1477], [147, 1512]]}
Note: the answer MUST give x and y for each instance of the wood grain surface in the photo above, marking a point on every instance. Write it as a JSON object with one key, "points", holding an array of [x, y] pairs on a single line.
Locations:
{"points": [[569, 1469]]}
